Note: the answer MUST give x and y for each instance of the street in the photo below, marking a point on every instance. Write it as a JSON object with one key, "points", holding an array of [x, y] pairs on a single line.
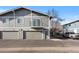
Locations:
{"points": [[39, 46]]}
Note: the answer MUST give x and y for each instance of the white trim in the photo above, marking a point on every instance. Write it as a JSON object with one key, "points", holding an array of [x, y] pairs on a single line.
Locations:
{"points": [[14, 18], [20, 27], [31, 17], [42, 34], [15, 27], [49, 28], [37, 17]]}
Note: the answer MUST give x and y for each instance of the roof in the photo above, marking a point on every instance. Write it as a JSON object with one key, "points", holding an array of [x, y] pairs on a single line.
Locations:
{"points": [[72, 22], [18, 8]]}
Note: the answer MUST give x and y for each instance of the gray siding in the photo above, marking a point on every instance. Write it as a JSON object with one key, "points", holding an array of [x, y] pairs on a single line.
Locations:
{"points": [[22, 13]]}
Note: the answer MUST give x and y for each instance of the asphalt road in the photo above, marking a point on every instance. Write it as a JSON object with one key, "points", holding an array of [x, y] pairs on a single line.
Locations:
{"points": [[39, 46]]}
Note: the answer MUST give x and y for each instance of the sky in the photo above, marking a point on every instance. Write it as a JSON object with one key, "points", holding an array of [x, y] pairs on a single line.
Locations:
{"points": [[67, 13]]}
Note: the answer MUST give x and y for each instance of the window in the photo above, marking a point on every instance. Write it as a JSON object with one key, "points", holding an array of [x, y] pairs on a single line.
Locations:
{"points": [[18, 20], [10, 19], [36, 22], [69, 24], [4, 20]]}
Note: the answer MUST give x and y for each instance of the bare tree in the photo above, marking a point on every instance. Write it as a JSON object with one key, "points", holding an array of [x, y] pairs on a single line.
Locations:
{"points": [[54, 13], [55, 22]]}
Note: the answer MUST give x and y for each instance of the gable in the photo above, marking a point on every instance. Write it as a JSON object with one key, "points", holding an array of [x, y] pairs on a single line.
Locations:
{"points": [[22, 8]]}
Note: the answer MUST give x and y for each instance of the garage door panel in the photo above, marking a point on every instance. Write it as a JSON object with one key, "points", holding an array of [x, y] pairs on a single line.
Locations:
{"points": [[10, 35], [34, 35]]}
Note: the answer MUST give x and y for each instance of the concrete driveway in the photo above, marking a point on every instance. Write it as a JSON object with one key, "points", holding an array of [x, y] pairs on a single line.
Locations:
{"points": [[35, 46]]}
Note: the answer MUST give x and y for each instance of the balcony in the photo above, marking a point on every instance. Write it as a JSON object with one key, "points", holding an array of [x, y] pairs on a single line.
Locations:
{"points": [[36, 27]]}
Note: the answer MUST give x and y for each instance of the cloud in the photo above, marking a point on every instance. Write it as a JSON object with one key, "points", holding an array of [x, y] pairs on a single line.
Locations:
{"points": [[2, 11]]}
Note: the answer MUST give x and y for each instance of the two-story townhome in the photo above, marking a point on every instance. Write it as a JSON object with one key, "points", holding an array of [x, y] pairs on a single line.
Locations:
{"points": [[23, 23], [72, 27]]}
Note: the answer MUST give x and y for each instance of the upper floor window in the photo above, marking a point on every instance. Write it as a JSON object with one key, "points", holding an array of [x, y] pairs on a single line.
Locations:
{"points": [[69, 24], [4, 20], [36, 22], [10, 19], [18, 20]]}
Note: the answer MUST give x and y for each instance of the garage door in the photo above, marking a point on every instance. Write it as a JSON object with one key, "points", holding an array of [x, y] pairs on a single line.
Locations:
{"points": [[33, 35], [10, 35]]}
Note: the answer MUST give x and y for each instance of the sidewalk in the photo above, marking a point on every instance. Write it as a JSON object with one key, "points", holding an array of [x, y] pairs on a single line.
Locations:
{"points": [[57, 39], [41, 50]]}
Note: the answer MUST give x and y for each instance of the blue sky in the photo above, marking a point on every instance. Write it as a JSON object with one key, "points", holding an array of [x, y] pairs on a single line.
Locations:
{"points": [[65, 12]]}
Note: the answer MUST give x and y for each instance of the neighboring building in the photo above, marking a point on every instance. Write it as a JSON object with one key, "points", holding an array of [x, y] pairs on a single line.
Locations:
{"points": [[23, 23], [72, 27]]}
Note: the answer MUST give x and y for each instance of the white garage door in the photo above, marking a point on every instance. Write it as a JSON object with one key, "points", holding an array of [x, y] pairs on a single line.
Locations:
{"points": [[10, 35], [33, 35]]}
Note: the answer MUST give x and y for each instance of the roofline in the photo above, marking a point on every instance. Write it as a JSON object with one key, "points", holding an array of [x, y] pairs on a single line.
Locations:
{"points": [[71, 22], [7, 11]]}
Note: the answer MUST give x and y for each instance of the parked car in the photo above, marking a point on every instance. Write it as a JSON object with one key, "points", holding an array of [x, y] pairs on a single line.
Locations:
{"points": [[72, 35]]}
